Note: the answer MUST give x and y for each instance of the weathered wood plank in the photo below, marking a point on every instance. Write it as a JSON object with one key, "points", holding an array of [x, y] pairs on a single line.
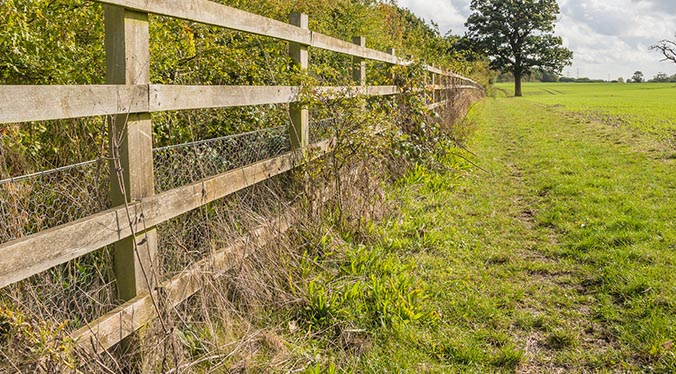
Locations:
{"points": [[299, 126], [215, 14], [116, 325], [166, 98], [464, 79], [329, 43], [466, 87], [437, 105], [24, 257], [127, 45], [358, 63], [434, 70], [41, 103], [365, 90], [111, 328], [376, 55]]}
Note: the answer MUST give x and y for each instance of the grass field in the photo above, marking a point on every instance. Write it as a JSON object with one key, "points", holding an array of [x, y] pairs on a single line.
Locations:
{"points": [[554, 253], [648, 107]]}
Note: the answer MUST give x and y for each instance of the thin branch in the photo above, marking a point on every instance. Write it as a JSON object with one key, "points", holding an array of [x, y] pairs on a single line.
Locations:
{"points": [[667, 48]]}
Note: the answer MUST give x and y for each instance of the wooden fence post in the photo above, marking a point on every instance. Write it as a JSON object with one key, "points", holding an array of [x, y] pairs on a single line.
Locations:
{"points": [[299, 129], [434, 88], [131, 147], [358, 63], [393, 52], [393, 79]]}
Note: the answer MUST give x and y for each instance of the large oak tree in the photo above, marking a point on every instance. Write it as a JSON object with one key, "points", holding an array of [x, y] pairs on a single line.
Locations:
{"points": [[518, 35]]}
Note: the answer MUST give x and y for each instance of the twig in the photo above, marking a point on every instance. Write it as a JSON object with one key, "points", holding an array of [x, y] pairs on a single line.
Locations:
{"points": [[472, 163]]}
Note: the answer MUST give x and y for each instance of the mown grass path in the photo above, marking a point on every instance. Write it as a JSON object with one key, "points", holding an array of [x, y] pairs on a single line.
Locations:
{"points": [[558, 258]]}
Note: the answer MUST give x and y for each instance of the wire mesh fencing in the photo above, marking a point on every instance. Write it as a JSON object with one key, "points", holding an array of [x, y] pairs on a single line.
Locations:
{"points": [[39, 201], [193, 236], [181, 164], [77, 291], [320, 129]]}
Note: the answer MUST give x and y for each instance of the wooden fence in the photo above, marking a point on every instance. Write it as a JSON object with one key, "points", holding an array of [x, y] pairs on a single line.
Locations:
{"points": [[129, 98]]}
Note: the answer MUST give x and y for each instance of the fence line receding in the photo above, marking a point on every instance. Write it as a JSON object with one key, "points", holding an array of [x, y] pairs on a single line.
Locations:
{"points": [[119, 200]]}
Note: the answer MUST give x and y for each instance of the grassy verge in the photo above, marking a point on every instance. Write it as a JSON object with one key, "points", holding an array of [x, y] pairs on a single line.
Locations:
{"points": [[558, 256]]}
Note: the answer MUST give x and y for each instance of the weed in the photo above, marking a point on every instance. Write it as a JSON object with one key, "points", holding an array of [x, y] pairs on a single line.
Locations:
{"points": [[324, 306], [561, 338], [509, 357]]}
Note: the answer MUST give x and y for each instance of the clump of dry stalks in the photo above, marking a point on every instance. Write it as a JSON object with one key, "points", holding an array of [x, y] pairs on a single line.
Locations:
{"points": [[246, 318]]}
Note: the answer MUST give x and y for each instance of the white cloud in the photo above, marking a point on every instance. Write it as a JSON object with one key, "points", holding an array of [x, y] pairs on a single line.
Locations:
{"points": [[445, 13], [608, 37]]}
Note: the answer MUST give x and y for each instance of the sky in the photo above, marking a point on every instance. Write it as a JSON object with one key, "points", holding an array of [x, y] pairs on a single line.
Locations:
{"points": [[609, 38]]}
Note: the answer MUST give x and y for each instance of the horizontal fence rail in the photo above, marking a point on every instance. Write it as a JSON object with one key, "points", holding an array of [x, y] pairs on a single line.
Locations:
{"points": [[136, 211], [41, 103]]}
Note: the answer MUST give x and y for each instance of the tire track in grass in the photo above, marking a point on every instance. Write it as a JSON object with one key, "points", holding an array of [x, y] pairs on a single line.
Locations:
{"points": [[508, 302], [560, 259], [547, 342], [595, 208]]}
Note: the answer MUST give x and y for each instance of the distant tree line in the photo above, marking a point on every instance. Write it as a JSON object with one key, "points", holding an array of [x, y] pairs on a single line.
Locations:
{"points": [[663, 78], [546, 76], [638, 77]]}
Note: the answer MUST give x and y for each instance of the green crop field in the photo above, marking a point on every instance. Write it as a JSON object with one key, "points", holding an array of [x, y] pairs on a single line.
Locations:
{"points": [[647, 107]]}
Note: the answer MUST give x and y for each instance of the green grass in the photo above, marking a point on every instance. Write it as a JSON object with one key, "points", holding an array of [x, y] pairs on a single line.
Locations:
{"points": [[647, 107], [554, 253]]}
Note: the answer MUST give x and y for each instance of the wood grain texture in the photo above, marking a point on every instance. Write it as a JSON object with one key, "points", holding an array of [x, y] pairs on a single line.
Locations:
{"points": [[127, 43], [353, 91], [211, 13], [167, 98], [299, 115], [42, 103]]}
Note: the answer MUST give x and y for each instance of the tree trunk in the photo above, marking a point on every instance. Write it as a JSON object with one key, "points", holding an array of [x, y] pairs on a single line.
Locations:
{"points": [[517, 84]]}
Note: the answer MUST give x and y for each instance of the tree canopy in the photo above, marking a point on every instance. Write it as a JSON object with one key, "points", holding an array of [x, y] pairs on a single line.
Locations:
{"points": [[518, 36]]}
